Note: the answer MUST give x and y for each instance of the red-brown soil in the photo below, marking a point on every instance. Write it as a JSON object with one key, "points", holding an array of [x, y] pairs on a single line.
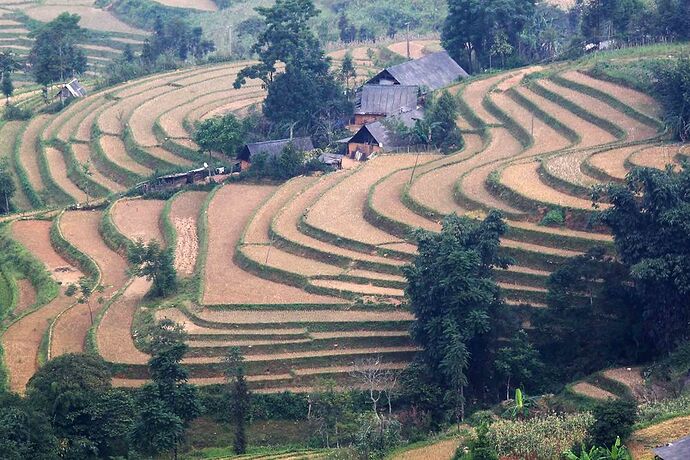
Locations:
{"points": [[139, 219]]}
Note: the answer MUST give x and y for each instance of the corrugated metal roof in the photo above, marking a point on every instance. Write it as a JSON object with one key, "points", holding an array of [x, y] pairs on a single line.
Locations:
{"points": [[386, 99], [433, 71], [275, 148], [677, 450], [76, 89], [385, 137]]}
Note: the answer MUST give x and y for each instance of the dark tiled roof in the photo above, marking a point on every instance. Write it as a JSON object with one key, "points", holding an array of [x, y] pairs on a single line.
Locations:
{"points": [[275, 148], [677, 450], [384, 136], [433, 71], [386, 99]]}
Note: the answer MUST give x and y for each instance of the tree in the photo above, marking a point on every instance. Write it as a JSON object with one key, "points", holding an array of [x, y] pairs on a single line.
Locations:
{"points": [[613, 419], [156, 264], [169, 403], [649, 217], [519, 362], [347, 70], [7, 187], [128, 54], [459, 312], [673, 89], [226, 134], [240, 397], [25, 433], [55, 55], [500, 46], [67, 389], [306, 91], [464, 33], [440, 121], [593, 318], [7, 86]]}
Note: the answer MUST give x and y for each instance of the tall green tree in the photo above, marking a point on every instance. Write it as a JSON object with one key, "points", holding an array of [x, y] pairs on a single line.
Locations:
{"points": [[156, 264], [7, 187], [458, 307], [441, 119], [25, 432], [649, 218], [55, 55], [519, 363], [7, 86], [305, 93], [240, 398], [465, 33], [672, 87], [226, 134], [169, 403], [347, 70]]}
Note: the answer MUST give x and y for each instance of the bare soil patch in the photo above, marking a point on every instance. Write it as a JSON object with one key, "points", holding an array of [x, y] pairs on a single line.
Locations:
{"points": [[568, 168], [225, 282], [191, 328], [524, 179], [442, 450], [58, 169], [114, 335], [274, 257], [418, 48], [308, 354], [635, 130], [344, 217], [656, 157], [612, 162], [27, 296], [83, 155], [35, 236], [115, 150], [80, 228], [474, 94], [296, 315], [636, 99], [85, 121], [28, 154], [591, 391], [91, 18], [184, 215], [286, 222], [359, 288], [631, 377], [139, 219]]}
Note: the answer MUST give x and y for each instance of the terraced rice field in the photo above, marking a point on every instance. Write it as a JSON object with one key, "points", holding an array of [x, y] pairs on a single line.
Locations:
{"points": [[306, 276]]}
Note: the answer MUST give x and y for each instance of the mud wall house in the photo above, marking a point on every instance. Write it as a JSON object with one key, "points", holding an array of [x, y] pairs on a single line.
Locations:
{"points": [[374, 102], [272, 149], [381, 136], [433, 71]]}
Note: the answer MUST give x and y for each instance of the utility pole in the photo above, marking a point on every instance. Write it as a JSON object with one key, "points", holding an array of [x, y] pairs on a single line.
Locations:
{"points": [[408, 40]]}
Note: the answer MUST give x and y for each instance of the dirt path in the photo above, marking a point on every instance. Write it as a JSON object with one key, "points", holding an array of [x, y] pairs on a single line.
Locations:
{"points": [[139, 219], [225, 282], [184, 214], [80, 228]]}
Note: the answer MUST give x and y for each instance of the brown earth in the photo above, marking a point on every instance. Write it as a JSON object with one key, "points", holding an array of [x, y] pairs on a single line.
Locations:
{"points": [[139, 219], [91, 18], [27, 296], [589, 390], [80, 228], [82, 154], [58, 170], [184, 214], [442, 450], [642, 442], [115, 150], [225, 282], [28, 154]]}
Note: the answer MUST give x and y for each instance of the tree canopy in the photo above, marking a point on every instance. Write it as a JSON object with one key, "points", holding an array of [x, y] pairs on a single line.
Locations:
{"points": [[55, 55], [305, 94]]}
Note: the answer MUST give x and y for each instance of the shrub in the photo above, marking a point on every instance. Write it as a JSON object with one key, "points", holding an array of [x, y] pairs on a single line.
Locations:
{"points": [[71, 290], [481, 417], [480, 448], [544, 438], [553, 218], [659, 410], [613, 419], [16, 113]]}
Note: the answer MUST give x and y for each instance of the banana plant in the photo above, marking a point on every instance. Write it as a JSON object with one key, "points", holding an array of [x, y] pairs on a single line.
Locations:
{"points": [[616, 452]]}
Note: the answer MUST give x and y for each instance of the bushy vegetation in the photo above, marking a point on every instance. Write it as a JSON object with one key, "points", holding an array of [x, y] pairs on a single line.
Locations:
{"points": [[673, 89], [156, 264], [291, 162], [226, 134]]}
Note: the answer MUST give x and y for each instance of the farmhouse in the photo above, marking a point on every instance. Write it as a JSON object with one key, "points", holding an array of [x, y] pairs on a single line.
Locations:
{"points": [[272, 148], [677, 450], [73, 89], [374, 102], [380, 136], [432, 72]]}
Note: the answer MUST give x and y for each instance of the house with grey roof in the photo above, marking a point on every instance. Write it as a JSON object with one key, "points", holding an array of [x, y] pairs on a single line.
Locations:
{"points": [[677, 450], [73, 89], [374, 102], [272, 149], [382, 136], [432, 72]]}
